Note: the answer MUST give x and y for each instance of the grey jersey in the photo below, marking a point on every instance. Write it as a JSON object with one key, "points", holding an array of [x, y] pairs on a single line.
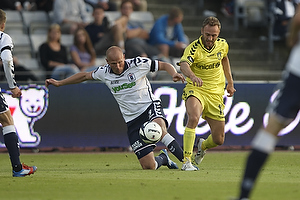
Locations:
{"points": [[131, 89]]}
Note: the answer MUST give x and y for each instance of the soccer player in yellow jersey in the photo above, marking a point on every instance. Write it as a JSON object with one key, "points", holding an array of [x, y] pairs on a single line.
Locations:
{"points": [[205, 64]]}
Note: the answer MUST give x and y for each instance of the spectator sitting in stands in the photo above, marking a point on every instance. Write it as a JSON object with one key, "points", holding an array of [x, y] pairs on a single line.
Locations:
{"points": [[105, 4], [102, 34], [54, 55], [168, 35], [136, 36], [70, 15], [284, 11], [82, 51], [228, 8], [139, 5], [21, 73]]}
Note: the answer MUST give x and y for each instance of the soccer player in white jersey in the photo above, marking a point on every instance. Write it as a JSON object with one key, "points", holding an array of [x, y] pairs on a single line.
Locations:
{"points": [[9, 132], [282, 111], [129, 85]]}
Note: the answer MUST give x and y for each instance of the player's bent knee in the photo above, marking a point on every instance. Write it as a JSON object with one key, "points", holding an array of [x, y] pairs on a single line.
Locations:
{"points": [[148, 161], [193, 121], [147, 167]]}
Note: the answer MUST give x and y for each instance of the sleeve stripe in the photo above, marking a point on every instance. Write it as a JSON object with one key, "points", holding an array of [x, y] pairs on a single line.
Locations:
{"points": [[6, 48], [152, 67]]}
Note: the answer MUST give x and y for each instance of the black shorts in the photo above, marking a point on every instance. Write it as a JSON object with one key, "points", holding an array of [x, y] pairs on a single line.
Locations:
{"points": [[139, 147], [287, 102], [3, 104]]}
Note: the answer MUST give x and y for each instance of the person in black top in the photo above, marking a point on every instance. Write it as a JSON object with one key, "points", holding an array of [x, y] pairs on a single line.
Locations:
{"points": [[54, 55]]}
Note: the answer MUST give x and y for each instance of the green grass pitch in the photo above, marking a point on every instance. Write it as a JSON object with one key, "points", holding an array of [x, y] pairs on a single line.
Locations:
{"points": [[118, 176]]}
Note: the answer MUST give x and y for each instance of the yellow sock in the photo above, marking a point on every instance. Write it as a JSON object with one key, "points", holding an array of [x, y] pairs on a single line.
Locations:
{"points": [[208, 143], [188, 142]]}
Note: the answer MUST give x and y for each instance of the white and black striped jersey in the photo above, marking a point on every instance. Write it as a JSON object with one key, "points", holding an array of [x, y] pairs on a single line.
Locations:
{"points": [[6, 46], [131, 89], [5, 41]]}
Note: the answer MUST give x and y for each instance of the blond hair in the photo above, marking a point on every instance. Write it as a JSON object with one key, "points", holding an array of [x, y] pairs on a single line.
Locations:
{"points": [[2, 17], [53, 27], [211, 21]]}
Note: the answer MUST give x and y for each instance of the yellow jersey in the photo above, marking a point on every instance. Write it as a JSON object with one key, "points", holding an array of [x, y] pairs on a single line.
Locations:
{"points": [[207, 64]]}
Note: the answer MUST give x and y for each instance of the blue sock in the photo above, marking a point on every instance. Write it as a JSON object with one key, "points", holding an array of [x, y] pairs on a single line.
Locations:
{"points": [[176, 150], [173, 146], [161, 159], [12, 144]]}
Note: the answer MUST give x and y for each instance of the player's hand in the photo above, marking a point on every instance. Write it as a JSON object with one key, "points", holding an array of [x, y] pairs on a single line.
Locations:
{"points": [[16, 92], [230, 89], [51, 82], [196, 81], [178, 77]]}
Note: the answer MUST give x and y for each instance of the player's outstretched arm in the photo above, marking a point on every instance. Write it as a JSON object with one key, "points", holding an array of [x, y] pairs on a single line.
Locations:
{"points": [[172, 71], [186, 70], [76, 78]]}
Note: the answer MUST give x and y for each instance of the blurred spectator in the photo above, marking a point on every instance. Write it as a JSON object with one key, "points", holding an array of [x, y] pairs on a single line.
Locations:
{"points": [[136, 36], [284, 10], [105, 4], [21, 72], [168, 35], [102, 34], [17, 5], [70, 15], [139, 5], [228, 8], [54, 55], [82, 51], [44, 5]]}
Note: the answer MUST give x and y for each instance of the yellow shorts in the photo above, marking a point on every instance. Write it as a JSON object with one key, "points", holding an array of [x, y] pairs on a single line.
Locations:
{"points": [[213, 104]]}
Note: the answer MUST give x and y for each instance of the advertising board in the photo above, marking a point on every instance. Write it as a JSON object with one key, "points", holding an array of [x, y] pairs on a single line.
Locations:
{"points": [[86, 115]]}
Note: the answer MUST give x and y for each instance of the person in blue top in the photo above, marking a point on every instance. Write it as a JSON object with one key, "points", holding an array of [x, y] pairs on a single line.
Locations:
{"points": [[168, 35], [136, 35]]}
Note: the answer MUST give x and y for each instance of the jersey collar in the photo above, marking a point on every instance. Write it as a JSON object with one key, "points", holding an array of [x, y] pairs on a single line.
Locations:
{"points": [[126, 66], [204, 48]]}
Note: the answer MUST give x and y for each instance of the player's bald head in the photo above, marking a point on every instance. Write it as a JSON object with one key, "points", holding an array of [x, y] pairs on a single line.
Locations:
{"points": [[113, 51]]}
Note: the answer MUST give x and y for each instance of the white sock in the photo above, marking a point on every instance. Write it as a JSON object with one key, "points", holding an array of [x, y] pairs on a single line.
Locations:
{"points": [[167, 139], [8, 129], [264, 141], [156, 165]]}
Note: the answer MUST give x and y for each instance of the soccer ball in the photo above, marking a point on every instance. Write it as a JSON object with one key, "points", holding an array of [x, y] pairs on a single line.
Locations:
{"points": [[150, 132]]}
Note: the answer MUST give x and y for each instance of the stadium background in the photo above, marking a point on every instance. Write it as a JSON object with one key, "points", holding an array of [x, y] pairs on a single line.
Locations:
{"points": [[87, 116]]}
